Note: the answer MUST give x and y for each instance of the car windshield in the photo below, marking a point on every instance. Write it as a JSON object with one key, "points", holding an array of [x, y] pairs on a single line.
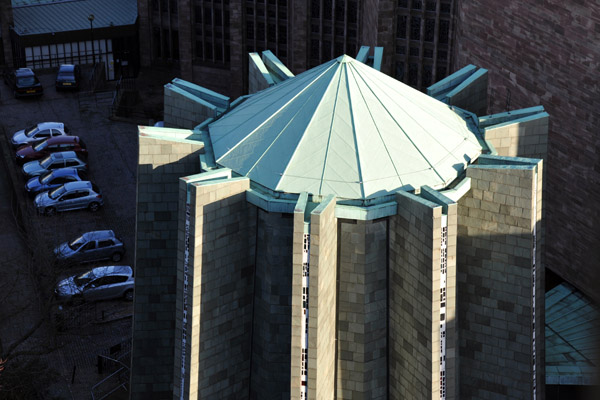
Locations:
{"points": [[43, 179], [56, 192], [84, 278], [65, 74], [46, 162], [26, 81], [75, 244], [41, 145], [30, 131]]}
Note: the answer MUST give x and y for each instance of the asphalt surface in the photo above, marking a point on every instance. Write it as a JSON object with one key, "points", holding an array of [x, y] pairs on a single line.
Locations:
{"points": [[26, 248]]}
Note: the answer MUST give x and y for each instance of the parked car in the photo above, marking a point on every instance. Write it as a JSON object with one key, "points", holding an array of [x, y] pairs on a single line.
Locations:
{"points": [[43, 130], [53, 179], [100, 283], [23, 82], [42, 148], [68, 77], [70, 196], [91, 246], [52, 161]]}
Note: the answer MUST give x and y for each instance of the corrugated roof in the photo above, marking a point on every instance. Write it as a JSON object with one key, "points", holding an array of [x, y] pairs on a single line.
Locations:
{"points": [[572, 337], [344, 128], [64, 16]]}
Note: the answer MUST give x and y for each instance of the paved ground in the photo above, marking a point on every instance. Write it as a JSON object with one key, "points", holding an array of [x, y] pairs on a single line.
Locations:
{"points": [[90, 329]]}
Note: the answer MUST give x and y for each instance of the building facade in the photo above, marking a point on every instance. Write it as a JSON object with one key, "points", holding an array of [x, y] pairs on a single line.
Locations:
{"points": [[340, 235], [209, 40], [547, 53]]}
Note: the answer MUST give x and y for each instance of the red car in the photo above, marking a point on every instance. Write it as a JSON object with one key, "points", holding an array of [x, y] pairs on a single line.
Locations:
{"points": [[54, 144]]}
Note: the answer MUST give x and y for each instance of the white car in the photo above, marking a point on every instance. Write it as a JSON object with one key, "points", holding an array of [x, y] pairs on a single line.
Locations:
{"points": [[100, 283], [43, 130]]}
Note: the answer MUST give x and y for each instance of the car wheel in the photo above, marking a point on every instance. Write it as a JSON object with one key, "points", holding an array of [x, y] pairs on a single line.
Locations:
{"points": [[93, 207], [128, 295], [116, 257], [49, 211]]}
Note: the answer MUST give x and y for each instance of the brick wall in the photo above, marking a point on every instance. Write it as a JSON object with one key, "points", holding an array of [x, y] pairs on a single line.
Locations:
{"points": [[495, 260], [548, 53], [362, 310], [415, 240], [186, 38], [474, 96], [322, 301], [272, 307], [220, 290], [161, 163]]}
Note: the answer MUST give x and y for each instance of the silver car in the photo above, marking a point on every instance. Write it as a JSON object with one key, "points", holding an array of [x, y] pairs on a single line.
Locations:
{"points": [[63, 159], [100, 283], [43, 130], [70, 196], [91, 246]]}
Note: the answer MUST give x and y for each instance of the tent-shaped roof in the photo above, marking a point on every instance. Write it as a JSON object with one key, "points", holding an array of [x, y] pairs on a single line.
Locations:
{"points": [[346, 129]]}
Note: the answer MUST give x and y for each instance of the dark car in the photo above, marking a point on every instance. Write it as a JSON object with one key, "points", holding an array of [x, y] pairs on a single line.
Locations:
{"points": [[53, 179], [23, 83], [68, 77], [42, 148]]}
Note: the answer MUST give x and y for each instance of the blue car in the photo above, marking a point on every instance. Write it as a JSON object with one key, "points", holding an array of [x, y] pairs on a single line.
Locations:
{"points": [[53, 179]]}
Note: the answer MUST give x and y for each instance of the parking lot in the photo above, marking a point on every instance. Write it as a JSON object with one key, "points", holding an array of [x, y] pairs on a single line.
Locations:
{"points": [[85, 331]]}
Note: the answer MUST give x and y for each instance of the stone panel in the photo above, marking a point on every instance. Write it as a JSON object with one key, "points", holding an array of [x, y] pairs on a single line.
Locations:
{"points": [[362, 310], [220, 281], [497, 244], [473, 97], [322, 301], [414, 314], [271, 342], [520, 139], [547, 53], [161, 163], [181, 111]]}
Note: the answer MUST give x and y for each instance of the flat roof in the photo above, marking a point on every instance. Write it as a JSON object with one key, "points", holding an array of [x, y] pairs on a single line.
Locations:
{"points": [[35, 17]]}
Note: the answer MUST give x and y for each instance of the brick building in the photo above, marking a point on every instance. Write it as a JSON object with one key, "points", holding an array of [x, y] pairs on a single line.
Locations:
{"points": [[340, 235], [548, 53], [209, 40]]}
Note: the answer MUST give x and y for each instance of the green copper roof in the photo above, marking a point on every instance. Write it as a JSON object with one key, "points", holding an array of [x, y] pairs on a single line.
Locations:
{"points": [[346, 129], [572, 337]]}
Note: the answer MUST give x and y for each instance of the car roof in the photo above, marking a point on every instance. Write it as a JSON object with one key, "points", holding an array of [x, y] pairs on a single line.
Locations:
{"points": [[78, 185], [47, 125], [24, 72], [61, 155], [97, 235], [113, 270], [68, 171], [62, 139]]}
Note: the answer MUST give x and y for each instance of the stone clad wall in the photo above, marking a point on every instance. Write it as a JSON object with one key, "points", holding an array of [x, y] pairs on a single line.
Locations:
{"points": [[415, 241], [362, 312], [520, 139], [272, 307], [548, 53], [474, 97], [182, 112], [161, 163], [495, 247], [322, 301], [221, 273]]}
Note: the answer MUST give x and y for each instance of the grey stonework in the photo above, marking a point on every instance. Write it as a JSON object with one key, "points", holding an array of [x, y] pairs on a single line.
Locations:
{"points": [[495, 261], [362, 310], [222, 238], [161, 163], [271, 338]]}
